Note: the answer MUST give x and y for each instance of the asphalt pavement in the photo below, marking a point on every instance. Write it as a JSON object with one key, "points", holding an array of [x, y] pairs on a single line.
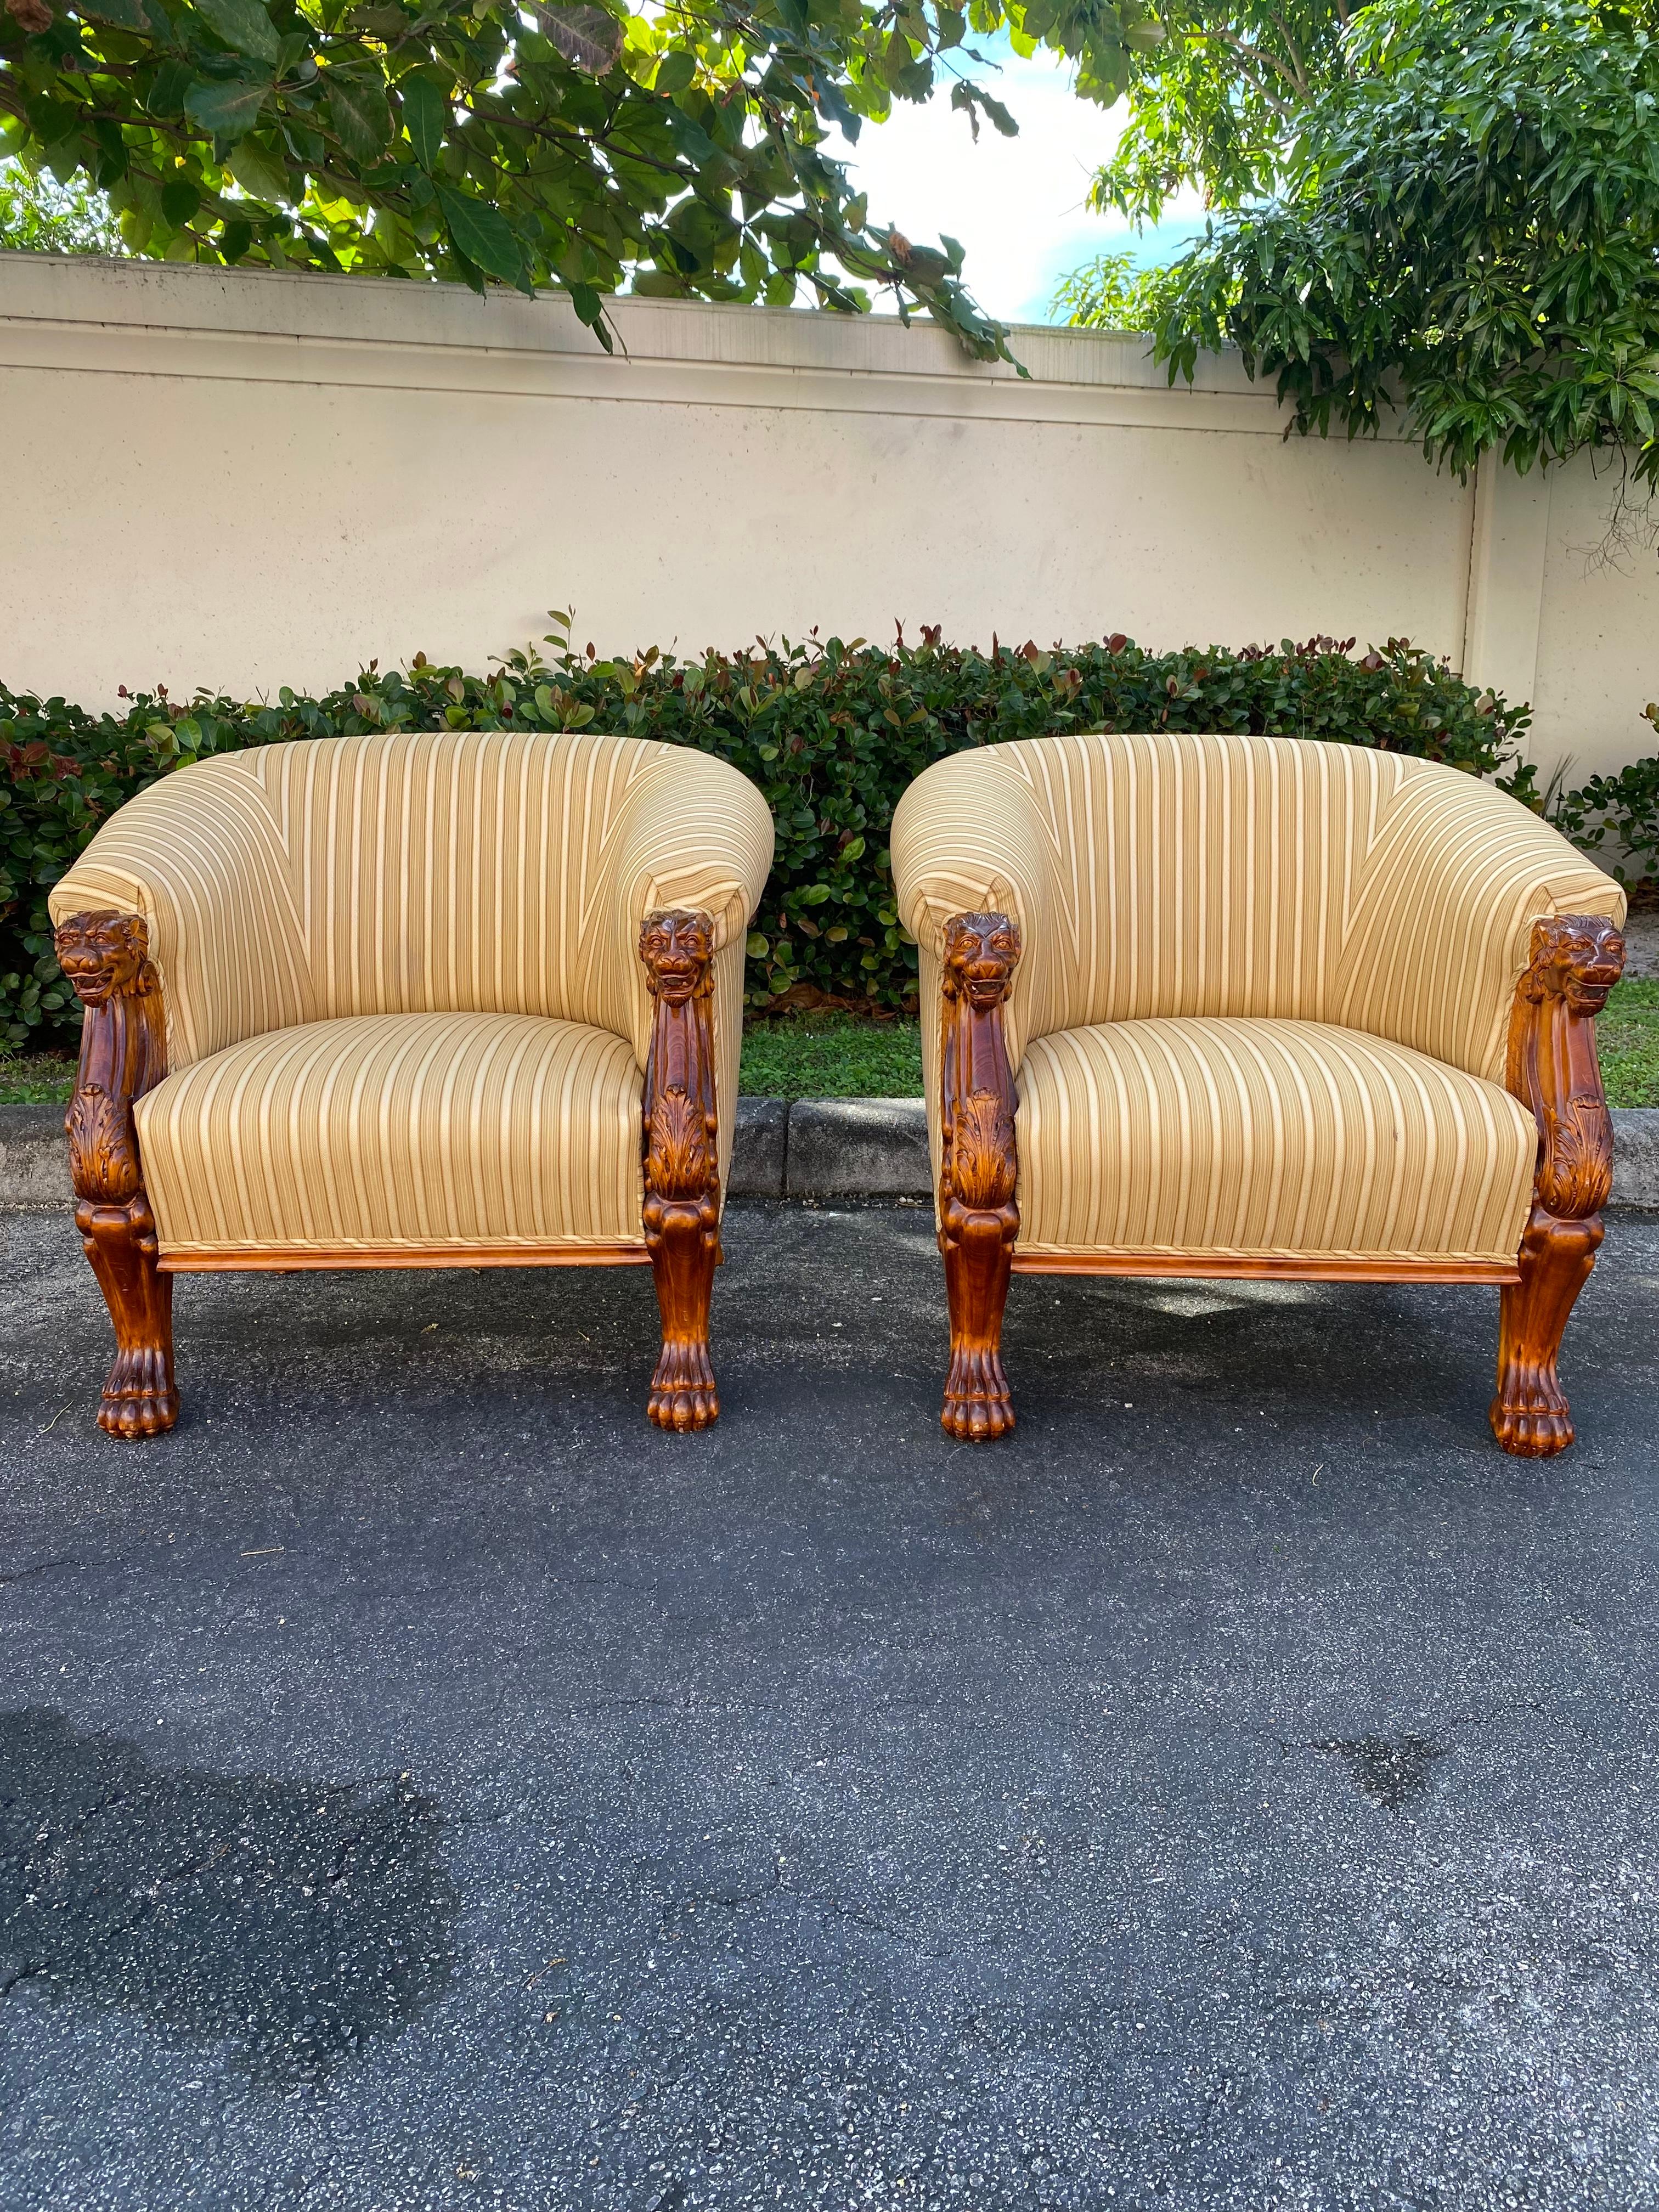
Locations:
{"points": [[424, 1784]]}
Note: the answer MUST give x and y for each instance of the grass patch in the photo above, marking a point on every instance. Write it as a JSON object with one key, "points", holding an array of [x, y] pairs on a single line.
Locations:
{"points": [[35, 1079], [837, 1055], [831, 1055], [1628, 1044]]}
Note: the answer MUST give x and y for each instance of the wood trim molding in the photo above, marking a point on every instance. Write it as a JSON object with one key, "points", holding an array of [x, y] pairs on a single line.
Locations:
{"points": [[682, 1209], [1575, 960], [978, 1218], [104, 955], [1295, 1267], [292, 1259]]}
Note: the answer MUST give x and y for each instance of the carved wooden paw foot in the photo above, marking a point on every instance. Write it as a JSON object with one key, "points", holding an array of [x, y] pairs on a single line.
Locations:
{"points": [[683, 1395], [977, 1406], [139, 1397], [1529, 1418]]}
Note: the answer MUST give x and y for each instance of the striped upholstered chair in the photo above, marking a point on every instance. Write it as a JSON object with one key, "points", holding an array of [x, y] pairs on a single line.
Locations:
{"points": [[1239, 1006], [430, 1000]]}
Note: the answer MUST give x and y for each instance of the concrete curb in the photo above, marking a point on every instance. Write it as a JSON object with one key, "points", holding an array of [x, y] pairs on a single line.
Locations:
{"points": [[34, 1158], [813, 1148]]}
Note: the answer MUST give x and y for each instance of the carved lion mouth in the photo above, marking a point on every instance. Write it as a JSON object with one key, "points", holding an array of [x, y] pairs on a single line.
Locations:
{"points": [[92, 980]]}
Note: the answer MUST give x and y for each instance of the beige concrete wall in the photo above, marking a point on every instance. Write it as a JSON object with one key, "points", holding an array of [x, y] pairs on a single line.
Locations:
{"points": [[243, 480]]}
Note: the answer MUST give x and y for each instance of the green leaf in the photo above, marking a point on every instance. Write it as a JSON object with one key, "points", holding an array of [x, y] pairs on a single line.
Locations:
{"points": [[228, 107], [426, 117], [243, 26], [167, 94], [588, 38], [675, 71], [125, 14], [259, 174], [361, 119], [481, 233], [179, 201]]}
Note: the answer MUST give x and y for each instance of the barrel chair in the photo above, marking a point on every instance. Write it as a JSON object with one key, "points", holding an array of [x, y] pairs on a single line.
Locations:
{"points": [[1255, 1006], [410, 1001]]}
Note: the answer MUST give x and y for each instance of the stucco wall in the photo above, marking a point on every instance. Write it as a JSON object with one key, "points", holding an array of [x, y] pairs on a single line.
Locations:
{"points": [[243, 480]]}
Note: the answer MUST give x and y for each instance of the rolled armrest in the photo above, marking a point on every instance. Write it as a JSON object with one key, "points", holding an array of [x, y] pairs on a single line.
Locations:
{"points": [[198, 856], [692, 834], [1455, 881], [953, 853]]}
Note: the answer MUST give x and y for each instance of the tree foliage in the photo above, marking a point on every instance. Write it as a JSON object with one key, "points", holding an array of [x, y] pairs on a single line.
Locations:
{"points": [[1469, 230], [531, 143], [1216, 103]]}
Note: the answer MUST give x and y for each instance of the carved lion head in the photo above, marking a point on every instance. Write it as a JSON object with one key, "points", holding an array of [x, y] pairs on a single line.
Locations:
{"points": [[676, 947], [1582, 956], [981, 952], [104, 956]]}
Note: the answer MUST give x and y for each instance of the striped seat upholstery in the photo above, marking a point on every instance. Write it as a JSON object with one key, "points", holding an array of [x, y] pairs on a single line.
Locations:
{"points": [[419, 1129], [1265, 992], [294, 893], [1265, 1138]]}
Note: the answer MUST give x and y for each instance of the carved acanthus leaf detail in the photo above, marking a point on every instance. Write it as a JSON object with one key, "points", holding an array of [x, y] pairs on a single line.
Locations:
{"points": [[982, 1158], [103, 1146], [1575, 1171], [679, 1159]]}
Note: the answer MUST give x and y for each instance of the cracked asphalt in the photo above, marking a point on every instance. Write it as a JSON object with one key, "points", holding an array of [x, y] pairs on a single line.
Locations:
{"points": [[423, 1784]]}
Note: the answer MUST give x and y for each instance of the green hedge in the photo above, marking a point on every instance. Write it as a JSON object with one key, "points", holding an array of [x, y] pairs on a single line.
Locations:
{"points": [[1616, 818], [831, 733]]}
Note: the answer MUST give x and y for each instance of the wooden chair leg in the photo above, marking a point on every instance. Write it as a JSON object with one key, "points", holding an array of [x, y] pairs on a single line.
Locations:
{"points": [[106, 957], [140, 1397], [682, 1218], [1576, 960], [682, 1255], [977, 1253], [978, 1218], [1529, 1415]]}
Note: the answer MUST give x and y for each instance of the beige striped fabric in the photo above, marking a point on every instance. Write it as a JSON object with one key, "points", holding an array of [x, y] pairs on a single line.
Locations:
{"points": [[399, 1128], [439, 873], [1265, 1139], [1265, 987], [1268, 876]]}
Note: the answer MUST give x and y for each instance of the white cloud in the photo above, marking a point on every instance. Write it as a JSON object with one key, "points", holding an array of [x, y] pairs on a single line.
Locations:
{"points": [[1019, 205]]}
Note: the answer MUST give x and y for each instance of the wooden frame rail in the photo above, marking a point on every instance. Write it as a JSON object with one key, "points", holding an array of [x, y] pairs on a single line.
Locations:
{"points": [[317, 1259]]}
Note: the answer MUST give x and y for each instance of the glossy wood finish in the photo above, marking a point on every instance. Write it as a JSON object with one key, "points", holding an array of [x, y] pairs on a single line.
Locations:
{"points": [[106, 957], [1576, 961], [1284, 1267], [288, 1260], [978, 1218], [682, 1210]]}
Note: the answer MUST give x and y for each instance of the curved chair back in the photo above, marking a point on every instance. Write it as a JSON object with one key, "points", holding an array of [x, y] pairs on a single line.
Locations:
{"points": [[1242, 876], [432, 872]]}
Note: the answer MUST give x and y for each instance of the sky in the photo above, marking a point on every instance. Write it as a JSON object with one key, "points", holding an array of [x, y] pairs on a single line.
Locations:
{"points": [[1019, 205]]}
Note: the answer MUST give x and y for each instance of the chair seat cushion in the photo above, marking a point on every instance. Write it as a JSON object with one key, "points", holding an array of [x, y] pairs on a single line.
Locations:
{"points": [[1265, 1138], [394, 1130]]}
